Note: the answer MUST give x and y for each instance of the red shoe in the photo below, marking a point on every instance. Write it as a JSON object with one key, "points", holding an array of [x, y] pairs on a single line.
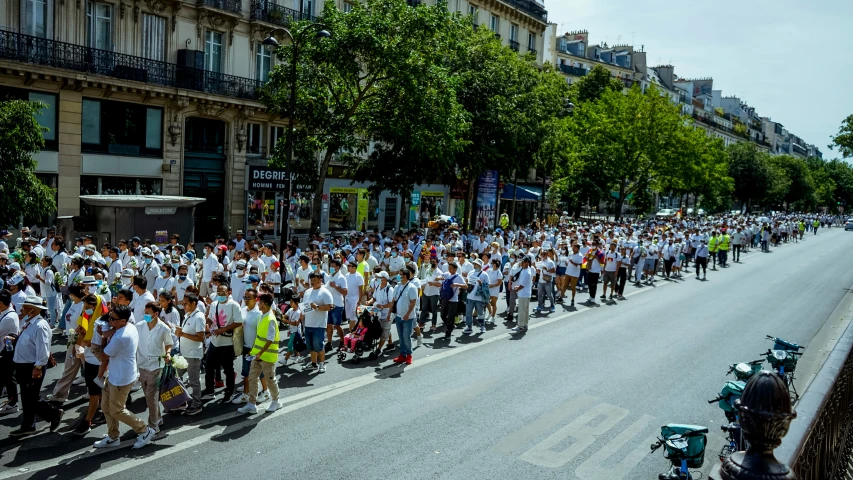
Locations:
{"points": [[400, 359], [408, 359], [218, 384]]}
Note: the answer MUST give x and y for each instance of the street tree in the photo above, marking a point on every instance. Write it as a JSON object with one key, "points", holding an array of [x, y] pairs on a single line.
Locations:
{"points": [[800, 189], [844, 139], [380, 80], [749, 172], [593, 85], [21, 137]]}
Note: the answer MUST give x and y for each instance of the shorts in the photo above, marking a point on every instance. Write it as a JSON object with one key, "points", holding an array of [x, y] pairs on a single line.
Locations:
{"points": [[314, 338], [386, 332], [561, 271], [336, 316], [350, 305], [608, 277], [90, 371], [649, 264], [244, 372]]}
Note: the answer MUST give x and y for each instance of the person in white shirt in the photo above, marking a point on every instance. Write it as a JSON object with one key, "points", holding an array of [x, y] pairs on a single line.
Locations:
{"points": [[524, 289], [121, 349], [150, 269], [274, 278], [209, 264], [475, 302], [251, 317], [431, 277], [338, 286], [9, 325], [239, 241], [405, 300], [115, 264], [302, 275], [179, 289], [153, 353], [355, 290], [547, 273], [141, 298], [255, 261], [165, 282], [316, 301], [191, 334], [611, 266], [224, 316], [72, 362]]}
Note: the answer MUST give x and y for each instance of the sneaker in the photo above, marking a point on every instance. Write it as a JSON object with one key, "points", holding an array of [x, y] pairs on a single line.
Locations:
{"points": [[99, 382], [82, 429], [697, 277], [482, 329], [8, 409], [144, 438], [85, 396], [22, 432], [308, 367], [53, 398], [553, 309], [78, 381], [420, 340], [273, 406], [54, 424], [516, 330], [537, 310], [192, 411], [207, 394], [57, 331], [249, 408], [322, 368], [216, 384], [400, 359], [235, 399], [408, 359], [107, 442], [264, 396], [573, 303], [467, 330], [137, 386], [603, 297]]}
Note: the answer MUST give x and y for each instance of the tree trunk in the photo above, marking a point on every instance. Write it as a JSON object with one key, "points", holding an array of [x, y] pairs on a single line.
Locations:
{"points": [[317, 206], [620, 201], [469, 204], [514, 191]]}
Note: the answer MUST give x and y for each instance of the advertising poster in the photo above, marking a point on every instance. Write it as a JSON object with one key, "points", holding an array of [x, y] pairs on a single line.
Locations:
{"points": [[363, 207], [487, 199]]}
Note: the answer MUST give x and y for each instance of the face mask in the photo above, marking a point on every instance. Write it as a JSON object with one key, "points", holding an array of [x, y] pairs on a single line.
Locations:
{"points": [[26, 318], [221, 298], [398, 278], [93, 290], [164, 274], [313, 267], [89, 311], [125, 281], [147, 318], [147, 261], [175, 265], [393, 254], [182, 277], [109, 261], [331, 269]]}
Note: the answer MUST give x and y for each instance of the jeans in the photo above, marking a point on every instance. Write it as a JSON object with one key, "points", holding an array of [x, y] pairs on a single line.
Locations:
{"points": [[545, 289], [220, 357], [51, 309], [511, 299], [724, 254], [736, 253], [404, 331], [470, 308], [764, 246], [448, 315], [64, 312], [429, 305]]}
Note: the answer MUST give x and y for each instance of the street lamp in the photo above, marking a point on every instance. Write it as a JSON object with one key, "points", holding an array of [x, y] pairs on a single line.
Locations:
{"points": [[271, 43]]}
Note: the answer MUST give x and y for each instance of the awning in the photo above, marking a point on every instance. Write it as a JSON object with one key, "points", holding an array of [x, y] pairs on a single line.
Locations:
{"points": [[521, 194]]}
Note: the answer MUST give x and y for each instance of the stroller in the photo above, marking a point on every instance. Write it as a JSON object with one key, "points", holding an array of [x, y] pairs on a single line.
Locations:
{"points": [[369, 317]]}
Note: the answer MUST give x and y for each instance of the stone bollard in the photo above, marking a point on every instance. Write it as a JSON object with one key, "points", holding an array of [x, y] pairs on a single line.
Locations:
{"points": [[765, 415]]}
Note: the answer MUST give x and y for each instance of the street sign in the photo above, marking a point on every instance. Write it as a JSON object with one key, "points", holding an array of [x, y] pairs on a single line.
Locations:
{"points": [[160, 210]]}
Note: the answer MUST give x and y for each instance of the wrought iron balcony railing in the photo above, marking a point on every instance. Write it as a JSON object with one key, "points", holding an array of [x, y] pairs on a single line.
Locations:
{"points": [[39, 51], [267, 11], [234, 6], [571, 70], [514, 45], [529, 7]]}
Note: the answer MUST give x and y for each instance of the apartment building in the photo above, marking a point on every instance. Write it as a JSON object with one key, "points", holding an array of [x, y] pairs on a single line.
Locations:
{"points": [[574, 56]]}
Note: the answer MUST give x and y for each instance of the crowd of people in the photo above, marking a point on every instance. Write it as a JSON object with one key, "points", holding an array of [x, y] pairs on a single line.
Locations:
{"points": [[136, 314]]}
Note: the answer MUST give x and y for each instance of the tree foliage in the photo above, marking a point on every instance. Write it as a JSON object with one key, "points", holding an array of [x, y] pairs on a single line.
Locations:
{"points": [[20, 138], [844, 139]]}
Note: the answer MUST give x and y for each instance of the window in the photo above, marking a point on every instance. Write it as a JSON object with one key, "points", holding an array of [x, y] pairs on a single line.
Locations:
{"points": [[153, 37], [531, 41], [275, 134], [255, 139], [99, 22], [263, 63], [475, 13], [34, 18], [347, 7], [46, 118], [495, 24], [513, 32], [119, 128], [213, 51]]}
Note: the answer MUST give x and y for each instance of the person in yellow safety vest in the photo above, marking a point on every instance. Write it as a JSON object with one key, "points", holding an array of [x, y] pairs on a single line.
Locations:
{"points": [[815, 224], [802, 229], [264, 355], [504, 220], [723, 242], [713, 243]]}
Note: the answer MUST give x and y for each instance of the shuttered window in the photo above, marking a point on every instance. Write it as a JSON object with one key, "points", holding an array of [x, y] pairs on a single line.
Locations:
{"points": [[153, 37]]}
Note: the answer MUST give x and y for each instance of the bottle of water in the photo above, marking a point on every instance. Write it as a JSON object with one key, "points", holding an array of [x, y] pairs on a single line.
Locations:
{"points": [[9, 346]]}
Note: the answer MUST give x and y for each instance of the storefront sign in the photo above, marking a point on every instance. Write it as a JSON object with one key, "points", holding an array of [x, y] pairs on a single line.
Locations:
{"points": [[459, 190], [487, 199], [416, 198], [267, 178], [161, 237], [160, 210], [432, 193], [363, 206], [343, 190]]}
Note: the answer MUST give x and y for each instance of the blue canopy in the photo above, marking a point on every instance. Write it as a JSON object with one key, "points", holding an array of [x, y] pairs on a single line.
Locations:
{"points": [[521, 194]]}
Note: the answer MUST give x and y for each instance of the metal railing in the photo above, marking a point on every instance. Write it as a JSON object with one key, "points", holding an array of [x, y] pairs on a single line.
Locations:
{"points": [[234, 6], [529, 7], [572, 70], [514, 45], [267, 11], [819, 445], [531, 50], [39, 51]]}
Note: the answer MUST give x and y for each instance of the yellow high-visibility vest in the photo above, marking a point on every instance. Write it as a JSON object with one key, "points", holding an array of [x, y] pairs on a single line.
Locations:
{"points": [[271, 354], [724, 243]]}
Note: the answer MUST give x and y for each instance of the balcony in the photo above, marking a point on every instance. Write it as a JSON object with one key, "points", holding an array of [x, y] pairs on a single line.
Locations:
{"points": [[627, 81], [67, 56], [267, 11], [530, 8], [571, 70], [514, 45], [532, 50], [232, 6]]}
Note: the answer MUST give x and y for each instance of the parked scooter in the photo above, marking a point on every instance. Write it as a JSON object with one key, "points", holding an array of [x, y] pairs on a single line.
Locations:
{"points": [[783, 357], [730, 394], [684, 447]]}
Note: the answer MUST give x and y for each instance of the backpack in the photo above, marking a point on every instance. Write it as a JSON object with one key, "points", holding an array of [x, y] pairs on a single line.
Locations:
{"points": [[446, 291]]}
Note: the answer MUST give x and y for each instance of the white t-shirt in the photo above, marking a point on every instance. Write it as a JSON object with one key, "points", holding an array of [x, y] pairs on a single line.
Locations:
{"points": [[382, 296], [193, 325], [545, 273], [494, 275], [340, 280], [354, 281], [302, 276], [274, 278], [73, 315], [88, 356], [151, 346], [122, 352], [403, 295], [224, 314], [610, 259], [573, 270], [321, 296], [250, 320], [525, 280]]}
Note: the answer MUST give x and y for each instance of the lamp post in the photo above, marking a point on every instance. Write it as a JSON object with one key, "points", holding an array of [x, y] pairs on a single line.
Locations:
{"points": [[272, 44]]}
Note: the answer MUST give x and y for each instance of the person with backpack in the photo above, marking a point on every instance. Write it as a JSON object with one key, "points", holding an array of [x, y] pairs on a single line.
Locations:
{"points": [[524, 289], [383, 297], [449, 296], [478, 296]]}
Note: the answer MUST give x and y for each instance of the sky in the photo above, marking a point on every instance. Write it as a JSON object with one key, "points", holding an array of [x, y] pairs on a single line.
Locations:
{"points": [[790, 59]]}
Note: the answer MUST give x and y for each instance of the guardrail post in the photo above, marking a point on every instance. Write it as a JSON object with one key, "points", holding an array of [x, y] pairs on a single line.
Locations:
{"points": [[765, 416]]}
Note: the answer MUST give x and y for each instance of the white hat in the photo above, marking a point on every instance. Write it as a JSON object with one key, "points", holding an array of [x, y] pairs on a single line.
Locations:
{"points": [[17, 278], [127, 272], [387, 250], [382, 275], [478, 262], [14, 266], [35, 301], [88, 280], [147, 251]]}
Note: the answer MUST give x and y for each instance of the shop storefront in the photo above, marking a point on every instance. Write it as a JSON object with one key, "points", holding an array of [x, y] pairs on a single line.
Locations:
{"points": [[425, 205], [266, 192]]}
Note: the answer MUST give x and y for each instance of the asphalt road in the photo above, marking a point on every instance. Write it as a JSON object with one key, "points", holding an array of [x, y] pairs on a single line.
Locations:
{"points": [[581, 395]]}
